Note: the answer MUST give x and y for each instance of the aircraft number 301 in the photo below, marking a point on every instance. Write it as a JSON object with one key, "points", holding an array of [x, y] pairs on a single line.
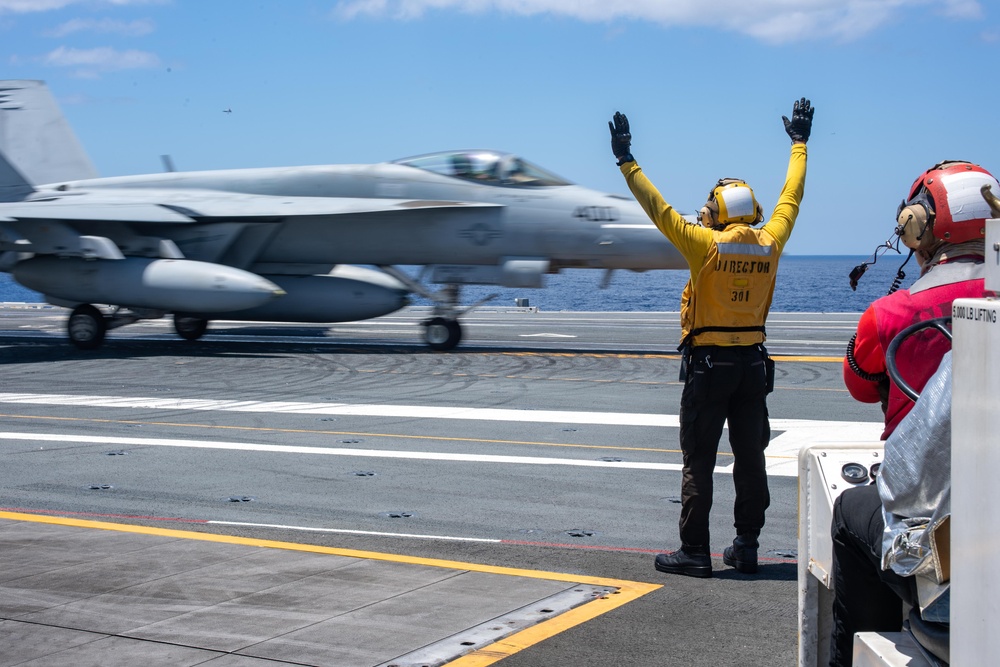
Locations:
{"points": [[597, 213]]}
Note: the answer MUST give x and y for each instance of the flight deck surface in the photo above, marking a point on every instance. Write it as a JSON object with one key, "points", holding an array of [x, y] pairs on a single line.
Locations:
{"points": [[274, 490]]}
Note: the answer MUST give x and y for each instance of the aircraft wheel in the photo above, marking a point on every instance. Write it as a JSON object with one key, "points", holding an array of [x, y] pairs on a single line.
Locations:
{"points": [[189, 327], [86, 327], [442, 334]]}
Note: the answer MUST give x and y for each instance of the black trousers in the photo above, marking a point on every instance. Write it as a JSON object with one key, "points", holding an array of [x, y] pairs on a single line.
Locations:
{"points": [[866, 597], [724, 383]]}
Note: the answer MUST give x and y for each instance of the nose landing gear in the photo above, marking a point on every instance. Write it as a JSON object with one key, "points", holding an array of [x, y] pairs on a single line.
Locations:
{"points": [[442, 334]]}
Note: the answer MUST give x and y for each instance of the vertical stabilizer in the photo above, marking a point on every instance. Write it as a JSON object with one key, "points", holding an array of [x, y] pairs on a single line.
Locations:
{"points": [[35, 138], [13, 186]]}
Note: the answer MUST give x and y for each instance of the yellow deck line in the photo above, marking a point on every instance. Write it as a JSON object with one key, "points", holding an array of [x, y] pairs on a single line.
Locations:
{"points": [[653, 355], [625, 593], [519, 641]]}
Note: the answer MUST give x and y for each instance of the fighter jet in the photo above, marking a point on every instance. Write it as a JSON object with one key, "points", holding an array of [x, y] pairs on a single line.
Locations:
{"points": [[316, 244]]}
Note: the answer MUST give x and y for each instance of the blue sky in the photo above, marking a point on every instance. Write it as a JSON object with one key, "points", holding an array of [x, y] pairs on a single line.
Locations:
{"points": [[898, 86]]}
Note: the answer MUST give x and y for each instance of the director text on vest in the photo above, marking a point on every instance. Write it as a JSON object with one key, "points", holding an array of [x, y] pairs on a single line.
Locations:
{"points": [[738, 266]]}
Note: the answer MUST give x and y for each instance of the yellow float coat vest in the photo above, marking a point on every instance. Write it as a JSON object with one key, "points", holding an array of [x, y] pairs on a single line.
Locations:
{"points": [[730, 302], [733, 270]]}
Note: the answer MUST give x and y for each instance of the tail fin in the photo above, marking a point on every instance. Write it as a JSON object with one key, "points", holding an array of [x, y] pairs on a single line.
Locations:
{"points": [[37, 142], [13, 186]]}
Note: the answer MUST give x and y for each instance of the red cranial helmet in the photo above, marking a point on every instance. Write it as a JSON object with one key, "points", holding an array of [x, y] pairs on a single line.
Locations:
{"points": [[946, 201]]}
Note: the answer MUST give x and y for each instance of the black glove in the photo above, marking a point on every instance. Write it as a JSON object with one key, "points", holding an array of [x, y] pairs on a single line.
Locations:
{"points": [[621, 139], [799, 127]]}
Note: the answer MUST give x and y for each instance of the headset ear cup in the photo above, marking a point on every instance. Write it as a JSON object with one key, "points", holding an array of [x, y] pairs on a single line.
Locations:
{"points": [[912, 226], [708, 216]]}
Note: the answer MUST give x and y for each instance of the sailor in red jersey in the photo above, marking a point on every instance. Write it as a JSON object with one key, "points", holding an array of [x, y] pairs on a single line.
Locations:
{"points": [[943, 222]]}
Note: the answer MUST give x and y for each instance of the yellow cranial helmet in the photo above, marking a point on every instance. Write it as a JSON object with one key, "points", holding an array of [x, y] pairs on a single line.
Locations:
{"points": [[730, 201]]}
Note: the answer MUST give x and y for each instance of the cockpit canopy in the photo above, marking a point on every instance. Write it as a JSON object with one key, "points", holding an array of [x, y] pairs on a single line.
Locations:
{"points": [[486, 167]]}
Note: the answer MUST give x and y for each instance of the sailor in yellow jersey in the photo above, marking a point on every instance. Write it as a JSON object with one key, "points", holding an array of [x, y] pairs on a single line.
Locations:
{"points": [[725, 368]]}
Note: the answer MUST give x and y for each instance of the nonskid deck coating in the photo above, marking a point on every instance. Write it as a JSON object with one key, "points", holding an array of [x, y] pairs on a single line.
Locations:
{"points": [[76, 592]]}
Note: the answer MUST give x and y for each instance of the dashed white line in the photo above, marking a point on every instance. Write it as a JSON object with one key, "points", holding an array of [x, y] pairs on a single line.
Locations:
{"points": [[336, 451], [345, 531]]}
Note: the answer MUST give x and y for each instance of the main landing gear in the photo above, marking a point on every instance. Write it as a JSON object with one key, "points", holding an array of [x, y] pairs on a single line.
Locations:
{"points": [[87, 325], [442, 331], [189, 327], [442, 334]]}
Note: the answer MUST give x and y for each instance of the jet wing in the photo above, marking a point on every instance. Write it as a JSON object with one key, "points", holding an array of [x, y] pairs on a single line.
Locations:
{"points": [[70, 210], [171, 206], [109, 223]]}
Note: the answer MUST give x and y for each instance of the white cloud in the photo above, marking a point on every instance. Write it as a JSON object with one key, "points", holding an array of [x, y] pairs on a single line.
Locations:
{"points": [[91, 62], [27, 6], [105, 26], [962, 9], [35, 6], [767, 20]]}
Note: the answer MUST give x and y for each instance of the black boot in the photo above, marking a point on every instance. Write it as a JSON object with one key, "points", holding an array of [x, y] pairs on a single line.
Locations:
{"points": [[742, 555], [689, 561]]}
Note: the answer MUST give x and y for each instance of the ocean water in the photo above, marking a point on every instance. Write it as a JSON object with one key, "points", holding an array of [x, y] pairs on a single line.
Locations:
{"points": [[806, 283]]}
